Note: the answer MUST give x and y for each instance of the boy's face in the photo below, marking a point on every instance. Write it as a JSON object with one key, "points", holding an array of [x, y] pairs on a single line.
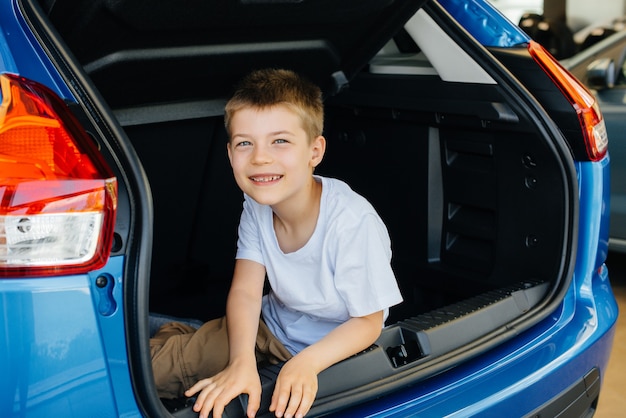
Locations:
{"points": [[271, 155]]}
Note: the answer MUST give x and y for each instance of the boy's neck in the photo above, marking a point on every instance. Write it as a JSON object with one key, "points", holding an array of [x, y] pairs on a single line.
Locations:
{"points": [[294, 225]]}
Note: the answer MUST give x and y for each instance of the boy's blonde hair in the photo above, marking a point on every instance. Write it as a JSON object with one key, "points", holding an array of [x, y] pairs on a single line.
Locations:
{"points": [[270, 87]]}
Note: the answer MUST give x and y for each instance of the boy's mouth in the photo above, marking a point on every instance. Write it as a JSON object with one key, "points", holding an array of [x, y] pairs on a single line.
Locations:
{"points": [[265, 179]]}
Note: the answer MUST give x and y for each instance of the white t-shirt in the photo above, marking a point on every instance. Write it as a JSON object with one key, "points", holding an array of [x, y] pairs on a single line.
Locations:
{"points": [[343, 270]]}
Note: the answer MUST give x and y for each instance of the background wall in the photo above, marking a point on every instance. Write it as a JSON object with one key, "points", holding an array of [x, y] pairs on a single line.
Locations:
{"points": [[579, 13]]}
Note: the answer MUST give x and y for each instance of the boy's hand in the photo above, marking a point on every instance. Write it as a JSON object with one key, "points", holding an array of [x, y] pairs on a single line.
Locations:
{"points": [[217, 391], [296, 385], [295, 389]]}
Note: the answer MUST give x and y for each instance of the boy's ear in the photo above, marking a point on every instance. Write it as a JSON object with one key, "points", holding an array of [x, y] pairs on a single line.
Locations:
{"points": [[318, 148]]}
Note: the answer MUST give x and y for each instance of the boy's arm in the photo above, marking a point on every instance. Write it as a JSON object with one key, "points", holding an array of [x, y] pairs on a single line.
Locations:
{"points": [[243, 310], [296, 386]]}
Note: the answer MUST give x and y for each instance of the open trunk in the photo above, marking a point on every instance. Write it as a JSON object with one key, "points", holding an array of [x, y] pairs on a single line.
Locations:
{"points": [[469, 209], [474, 214], [476, 196]]}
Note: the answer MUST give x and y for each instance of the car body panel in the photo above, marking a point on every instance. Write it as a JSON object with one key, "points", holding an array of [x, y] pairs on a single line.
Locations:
{"points": [[51, 348], [59, 354], [486, 24], [20, 50]]}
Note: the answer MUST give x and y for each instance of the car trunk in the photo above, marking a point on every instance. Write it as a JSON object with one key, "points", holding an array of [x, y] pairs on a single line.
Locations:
{"points": [[469, 209], [476, 198], [474, 214]]}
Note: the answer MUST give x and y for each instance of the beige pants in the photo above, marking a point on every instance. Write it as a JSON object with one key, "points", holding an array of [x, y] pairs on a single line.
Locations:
{"points": [[182, 355]]}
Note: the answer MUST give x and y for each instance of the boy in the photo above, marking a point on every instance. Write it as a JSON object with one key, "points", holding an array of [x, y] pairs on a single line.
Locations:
{"points": [[323, 248]]}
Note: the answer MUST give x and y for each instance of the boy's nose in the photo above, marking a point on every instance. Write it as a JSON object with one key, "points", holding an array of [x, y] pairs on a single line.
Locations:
{"points": [[261, 155]]}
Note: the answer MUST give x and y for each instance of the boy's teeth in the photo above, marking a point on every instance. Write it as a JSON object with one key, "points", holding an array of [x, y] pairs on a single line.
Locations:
{"points": [[265, 179]]}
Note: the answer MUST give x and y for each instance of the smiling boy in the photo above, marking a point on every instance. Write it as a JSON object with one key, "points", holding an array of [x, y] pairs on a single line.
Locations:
{"points": [[324, 250]]}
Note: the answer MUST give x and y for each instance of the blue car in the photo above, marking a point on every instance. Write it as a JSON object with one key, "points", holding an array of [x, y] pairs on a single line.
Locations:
{"points": [[486, 159]]}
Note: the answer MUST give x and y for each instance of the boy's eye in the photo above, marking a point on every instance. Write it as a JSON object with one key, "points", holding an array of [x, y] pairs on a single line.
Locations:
{"points": [[280, 141]]}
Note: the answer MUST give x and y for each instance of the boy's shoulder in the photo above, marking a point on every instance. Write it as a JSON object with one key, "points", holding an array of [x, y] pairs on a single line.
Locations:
{"points": [[339, 197]]}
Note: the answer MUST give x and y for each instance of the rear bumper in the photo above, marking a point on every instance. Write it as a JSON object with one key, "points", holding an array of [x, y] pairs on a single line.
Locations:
{"points": [[553, 367]]}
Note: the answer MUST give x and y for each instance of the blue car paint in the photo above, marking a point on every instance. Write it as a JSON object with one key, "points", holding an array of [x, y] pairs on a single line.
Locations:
{"points": [[59, 356], [21, 54], [485, 23], [52, 349], [593, 226], [63, 341], [113, 335]]}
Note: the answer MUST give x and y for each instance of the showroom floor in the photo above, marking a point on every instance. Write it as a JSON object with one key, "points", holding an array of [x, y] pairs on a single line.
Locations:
{"points": [[612, 396]]}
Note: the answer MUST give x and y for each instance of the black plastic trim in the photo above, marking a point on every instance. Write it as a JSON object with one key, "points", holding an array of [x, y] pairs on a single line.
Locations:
{"points": [[402, 348], [578, 400]]}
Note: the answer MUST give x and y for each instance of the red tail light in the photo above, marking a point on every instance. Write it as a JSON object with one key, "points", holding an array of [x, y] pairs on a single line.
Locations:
{"points": [[589, 115], [57, 195]]}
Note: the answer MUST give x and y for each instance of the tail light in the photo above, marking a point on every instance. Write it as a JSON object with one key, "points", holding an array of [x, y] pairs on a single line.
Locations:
{"points": [[589, 115], [57, 195]]}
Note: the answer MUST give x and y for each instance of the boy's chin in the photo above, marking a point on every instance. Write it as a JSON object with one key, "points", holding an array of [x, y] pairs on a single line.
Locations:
{"points": [[264, 199]]}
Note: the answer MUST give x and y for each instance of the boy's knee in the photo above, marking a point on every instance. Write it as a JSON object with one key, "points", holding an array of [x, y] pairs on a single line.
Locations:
{"points": [[166, 332], [168, 374]]}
